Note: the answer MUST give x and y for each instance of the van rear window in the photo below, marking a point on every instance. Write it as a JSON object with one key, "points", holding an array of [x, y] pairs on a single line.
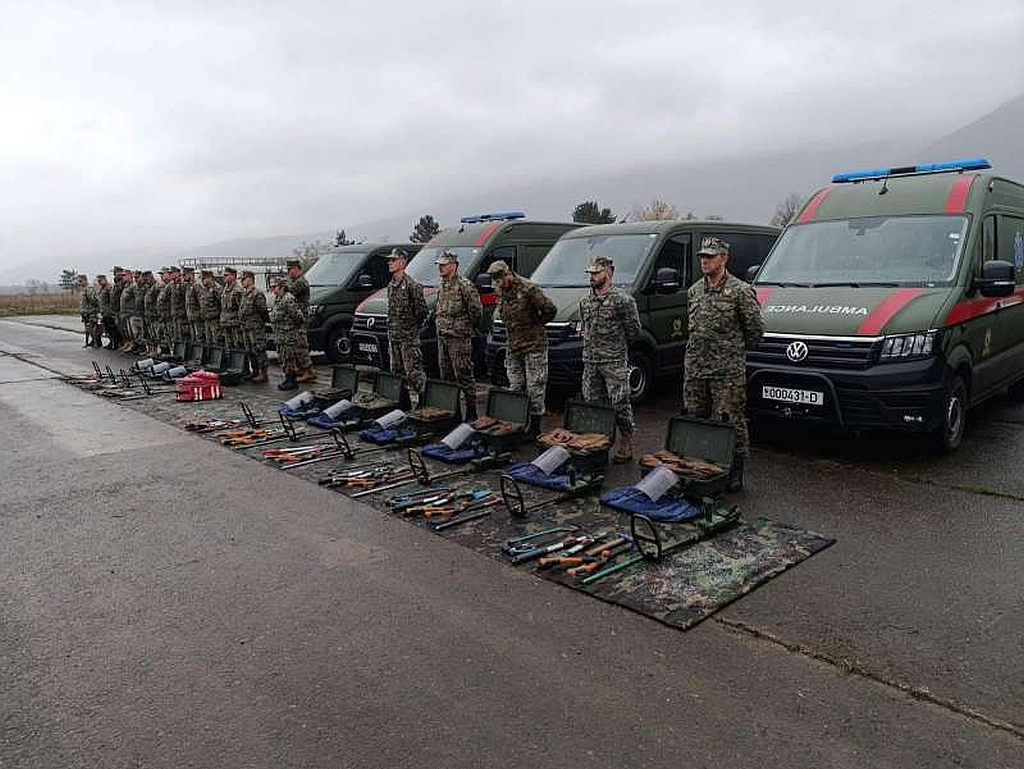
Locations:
{"points": [[888, 250]]}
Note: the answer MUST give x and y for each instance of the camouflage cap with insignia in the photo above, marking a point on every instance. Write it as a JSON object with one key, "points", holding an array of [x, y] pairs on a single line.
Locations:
{"points": [[206, 273], [293, 263], [599, 263], [248, 274], [713, 246], [446, 257], [396, 253], [231, 270], [498, 268], [117, 269], [278, 282]]}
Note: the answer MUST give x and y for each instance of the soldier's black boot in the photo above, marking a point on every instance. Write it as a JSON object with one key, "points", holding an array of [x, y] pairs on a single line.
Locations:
{"points": [[736, 472], [288, 383], [404, 401], [471, 415], [534, 428]]}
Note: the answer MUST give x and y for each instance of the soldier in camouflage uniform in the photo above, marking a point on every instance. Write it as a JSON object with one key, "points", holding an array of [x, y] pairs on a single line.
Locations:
{"points": [[458, 313], [724, 320], [407, 311], [179, 318], [299, 288], [194, 320], [90, 309], [253, 316], [105, 314], [151, 308], [137, 310], [289, 323], [116, 287], [163, 307], [525, 310], [230, 297], [209, 308], [127, 307], [610, 323]]}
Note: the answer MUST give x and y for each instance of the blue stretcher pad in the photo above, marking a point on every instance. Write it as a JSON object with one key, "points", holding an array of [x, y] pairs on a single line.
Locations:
{"points": [[384, 437], [299, 413], [460, 456], [324, 422], [532, 475], [628, 499]]}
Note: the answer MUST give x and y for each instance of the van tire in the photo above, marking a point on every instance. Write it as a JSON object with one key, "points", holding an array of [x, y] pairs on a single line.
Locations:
{"points": [[948, 436], [641, 376], [339, 345]]}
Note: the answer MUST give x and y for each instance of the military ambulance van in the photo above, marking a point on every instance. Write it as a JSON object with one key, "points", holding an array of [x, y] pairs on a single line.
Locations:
{"points": [[478, 241], [341, 279], [655, 262], [894, 300]]}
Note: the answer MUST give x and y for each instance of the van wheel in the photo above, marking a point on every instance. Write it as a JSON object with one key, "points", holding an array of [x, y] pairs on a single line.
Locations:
{"points": [[641, 373], [339, 346], [950, 433]]}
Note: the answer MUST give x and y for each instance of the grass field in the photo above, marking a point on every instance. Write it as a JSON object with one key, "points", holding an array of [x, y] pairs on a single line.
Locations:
{"points": [[39, 304]]}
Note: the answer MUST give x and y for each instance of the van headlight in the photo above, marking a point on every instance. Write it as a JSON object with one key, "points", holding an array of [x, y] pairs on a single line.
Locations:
{"points": [[906, 346]]}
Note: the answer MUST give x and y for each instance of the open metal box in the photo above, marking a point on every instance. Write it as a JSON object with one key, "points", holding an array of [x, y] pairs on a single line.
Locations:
{"points": [[439, 397], [704, 439], [344, 383], [512, 407]]}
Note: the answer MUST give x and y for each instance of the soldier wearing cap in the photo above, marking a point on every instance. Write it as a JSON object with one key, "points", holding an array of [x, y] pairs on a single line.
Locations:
{"points": [[253, 317], [209, 307], [163, 309], [724, 320], [231, 296], [610, 323], [288, 322], [126, 306], [117, 338], [407, 312], [194, 320], [458, 313], [179, 316], [135, 311], [525, 310], [106, 314], [299, 288], [152, 314], [90, 309]]}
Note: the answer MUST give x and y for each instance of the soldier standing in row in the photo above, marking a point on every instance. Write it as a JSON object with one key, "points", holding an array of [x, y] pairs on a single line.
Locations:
{"points": [[178, 315], [106, 316], [231, 295], [610, 323], [724, 320], [209, 308], [253, 316], [459, 313], [525, 310], [407, 311], [194, 330], [298, 287], [130, 291], [90, 308], [116, 287], [163, 306], [288, 322], [152, 313]]}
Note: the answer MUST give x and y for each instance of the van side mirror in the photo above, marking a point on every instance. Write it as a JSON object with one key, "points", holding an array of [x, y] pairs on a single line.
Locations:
{"points": [[666, 280], [997, 279], [364, 282], [752, 271], [483, 283]]}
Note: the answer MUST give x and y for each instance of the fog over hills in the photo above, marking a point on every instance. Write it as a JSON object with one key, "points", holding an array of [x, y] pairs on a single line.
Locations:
{"points": [[739, 189]]}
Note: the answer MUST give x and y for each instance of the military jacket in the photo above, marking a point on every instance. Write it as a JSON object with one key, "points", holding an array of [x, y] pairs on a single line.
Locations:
{"points": [[116, 289], [163, 301], [192, 289], [724, 320], [524, 310], [178, 300], [286, 316], [458, 307], [230, 298], [103, 295], [209, 301], [407, 309], [129, 299], [90, 301], [252, 309], [299, 288], [151, 301], [610, 322]]}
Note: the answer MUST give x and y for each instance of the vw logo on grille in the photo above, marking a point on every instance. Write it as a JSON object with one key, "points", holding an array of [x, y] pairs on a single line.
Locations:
{"points": [[371, 321], [796, 351]]}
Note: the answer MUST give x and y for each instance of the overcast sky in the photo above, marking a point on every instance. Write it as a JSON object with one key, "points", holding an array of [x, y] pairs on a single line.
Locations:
{"points": [[171, 124]]}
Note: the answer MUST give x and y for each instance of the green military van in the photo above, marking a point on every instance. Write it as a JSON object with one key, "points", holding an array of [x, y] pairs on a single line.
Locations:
{"points": [[656, 262], [341, 279], [894, 300], [478, 241]]}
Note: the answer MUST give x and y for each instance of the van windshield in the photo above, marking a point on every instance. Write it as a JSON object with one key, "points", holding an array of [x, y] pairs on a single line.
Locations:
{"points": [[889, 250], [566, 262], [423, 270], [334, 268]]}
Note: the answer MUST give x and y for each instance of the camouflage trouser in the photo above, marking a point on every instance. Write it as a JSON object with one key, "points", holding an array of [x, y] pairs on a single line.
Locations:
{"points": [[529, 372], [256, 347], [166, 332], [717, 399], [181, 330], [197, 332], [211, 331], [610, 382], [302, 350], [232, 335], [407, 362], [289, 353], [135, 326], [455, 361]]}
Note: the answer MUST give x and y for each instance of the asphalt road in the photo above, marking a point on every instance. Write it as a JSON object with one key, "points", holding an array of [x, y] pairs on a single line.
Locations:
{"points": [[164, 603]]}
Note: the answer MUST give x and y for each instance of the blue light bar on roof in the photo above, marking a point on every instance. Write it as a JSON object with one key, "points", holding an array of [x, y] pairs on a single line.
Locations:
{"points": [[498, 216], [949, 166]]}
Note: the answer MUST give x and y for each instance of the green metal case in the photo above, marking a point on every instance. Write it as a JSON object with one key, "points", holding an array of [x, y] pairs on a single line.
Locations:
{"points": [[702, 439], [509, 406], [436, 395], [582, 417]]}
